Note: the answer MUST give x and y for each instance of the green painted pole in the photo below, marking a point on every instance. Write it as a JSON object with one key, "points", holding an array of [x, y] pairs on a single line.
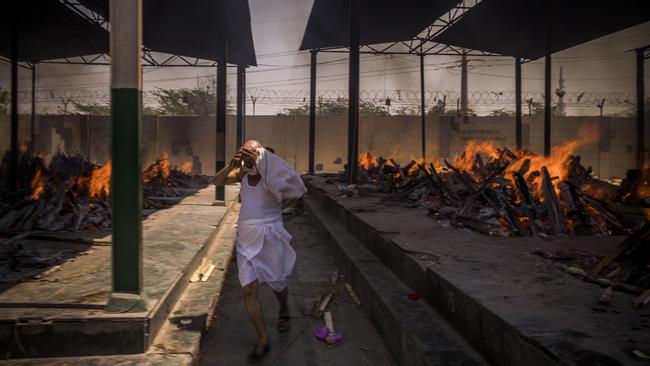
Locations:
{"points": [[126, 177], [222, 54]]}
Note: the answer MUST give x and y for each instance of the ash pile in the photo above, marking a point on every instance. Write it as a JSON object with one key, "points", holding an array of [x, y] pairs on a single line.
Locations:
{"points": [[72, 193]]}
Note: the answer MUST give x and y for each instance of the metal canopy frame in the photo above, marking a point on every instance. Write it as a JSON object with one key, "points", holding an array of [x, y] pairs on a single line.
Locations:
{"points": [[423, 43]]}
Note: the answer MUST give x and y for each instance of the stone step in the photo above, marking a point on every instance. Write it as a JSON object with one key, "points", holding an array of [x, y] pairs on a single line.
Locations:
{"points": [[411, 329]]}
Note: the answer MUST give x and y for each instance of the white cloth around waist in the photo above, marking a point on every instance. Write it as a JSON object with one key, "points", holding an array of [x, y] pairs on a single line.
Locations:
{"points": [[264, 252]]}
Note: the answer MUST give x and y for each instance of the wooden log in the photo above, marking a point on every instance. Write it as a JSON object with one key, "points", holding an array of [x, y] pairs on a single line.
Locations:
{"points": [[575, 211], [481, 226], [552, 204], [624, 246], [451, 195]]}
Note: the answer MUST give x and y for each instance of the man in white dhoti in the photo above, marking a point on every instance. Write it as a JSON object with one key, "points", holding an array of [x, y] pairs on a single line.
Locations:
{"points": [[264, 254]]}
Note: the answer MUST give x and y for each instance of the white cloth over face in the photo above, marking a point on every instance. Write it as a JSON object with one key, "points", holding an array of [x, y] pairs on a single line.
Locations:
{"points": [[263, 245]]}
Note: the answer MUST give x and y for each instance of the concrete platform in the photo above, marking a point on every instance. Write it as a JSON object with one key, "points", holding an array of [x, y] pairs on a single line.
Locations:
{"points": [[513, 307], [61, 313]]}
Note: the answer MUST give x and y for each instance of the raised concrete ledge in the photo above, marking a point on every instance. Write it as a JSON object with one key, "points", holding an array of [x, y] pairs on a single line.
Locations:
{"points": [[413, 332], [516, 309], [49, 320]]}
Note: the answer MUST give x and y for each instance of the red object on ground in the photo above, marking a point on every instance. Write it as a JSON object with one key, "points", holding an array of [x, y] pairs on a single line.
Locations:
{"points": [[413, 296]]}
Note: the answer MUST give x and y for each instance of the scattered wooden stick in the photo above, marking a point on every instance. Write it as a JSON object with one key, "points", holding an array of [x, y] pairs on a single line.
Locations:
{"points": [[353, 295]]}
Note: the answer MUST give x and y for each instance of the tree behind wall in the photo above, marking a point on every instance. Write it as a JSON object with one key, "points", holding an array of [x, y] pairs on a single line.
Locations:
{"points": [[335, 107]]}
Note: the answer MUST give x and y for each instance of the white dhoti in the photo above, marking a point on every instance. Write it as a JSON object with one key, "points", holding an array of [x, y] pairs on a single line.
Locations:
{"points": [[264, 252]]}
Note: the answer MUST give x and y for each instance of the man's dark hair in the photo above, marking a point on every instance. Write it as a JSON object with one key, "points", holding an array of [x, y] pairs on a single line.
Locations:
{"points": [[269, 148]]}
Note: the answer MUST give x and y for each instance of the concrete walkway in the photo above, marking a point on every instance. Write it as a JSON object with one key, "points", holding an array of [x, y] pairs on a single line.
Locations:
{"points": [[231, 334]]}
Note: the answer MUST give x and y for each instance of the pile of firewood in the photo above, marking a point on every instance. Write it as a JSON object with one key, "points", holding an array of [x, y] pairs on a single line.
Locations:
{"points": [[73, 194], [506, 193]]}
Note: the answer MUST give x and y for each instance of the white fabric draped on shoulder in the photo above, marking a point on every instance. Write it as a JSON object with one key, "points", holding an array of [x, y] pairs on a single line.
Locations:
{"points": [[279, 177]]}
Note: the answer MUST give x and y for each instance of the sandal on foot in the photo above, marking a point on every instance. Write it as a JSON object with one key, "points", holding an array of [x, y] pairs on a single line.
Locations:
{"points": [[284, 323], [258, 351]]}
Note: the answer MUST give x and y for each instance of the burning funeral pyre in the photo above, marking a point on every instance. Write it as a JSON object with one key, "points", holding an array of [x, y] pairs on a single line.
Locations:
{"points": [[497, 191], [73, 194]]}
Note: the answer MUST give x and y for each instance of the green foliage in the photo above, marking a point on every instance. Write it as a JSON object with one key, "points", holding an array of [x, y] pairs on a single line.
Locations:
{"points": [[335, 107], [197, 101], [93, 109]]}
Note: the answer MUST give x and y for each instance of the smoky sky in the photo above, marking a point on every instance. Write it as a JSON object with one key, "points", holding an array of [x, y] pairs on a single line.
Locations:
{"points": [[602, 65]]}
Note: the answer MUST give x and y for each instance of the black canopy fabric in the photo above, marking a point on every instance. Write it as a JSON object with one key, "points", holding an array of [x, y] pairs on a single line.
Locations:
{"points": [[519, 28], [189, 28], [381, 21], [47, 30]]}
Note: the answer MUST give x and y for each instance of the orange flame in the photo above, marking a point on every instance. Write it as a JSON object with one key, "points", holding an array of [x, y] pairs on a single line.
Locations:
{"points": [[558, 162], [38, 184], [367, 160], [100, 181], [186, 167], [466, 162], [164, 165]]}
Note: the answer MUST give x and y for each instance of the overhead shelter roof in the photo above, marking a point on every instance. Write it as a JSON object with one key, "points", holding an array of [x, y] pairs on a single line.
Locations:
{"points": [[47, 30], [189, 28], [518, 28], [381, 21]]}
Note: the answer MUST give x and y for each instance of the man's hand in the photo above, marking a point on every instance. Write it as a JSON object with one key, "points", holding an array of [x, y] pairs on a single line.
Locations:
{"points": [[249, 156], [236, 160]]}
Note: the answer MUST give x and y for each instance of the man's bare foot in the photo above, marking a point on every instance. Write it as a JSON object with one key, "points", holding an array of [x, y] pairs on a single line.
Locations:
{"points": [[260, 348]]}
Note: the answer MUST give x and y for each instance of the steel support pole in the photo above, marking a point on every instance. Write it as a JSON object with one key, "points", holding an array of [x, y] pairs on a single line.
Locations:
{"points": [[640, 109], [423, 110], [126, 150], [241, 102], [547, 81], [243, 106], [13, 167], [547, 104], [353, 94], [33, 116], [312, 111], [518, 102], [222, 54]]}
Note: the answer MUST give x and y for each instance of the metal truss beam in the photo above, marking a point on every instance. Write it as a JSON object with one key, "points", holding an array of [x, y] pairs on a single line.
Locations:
{"points": [[423, 43]]}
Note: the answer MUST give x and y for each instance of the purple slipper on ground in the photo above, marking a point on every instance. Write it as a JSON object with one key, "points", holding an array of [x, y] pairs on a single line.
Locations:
{"points": [[323, 333]]}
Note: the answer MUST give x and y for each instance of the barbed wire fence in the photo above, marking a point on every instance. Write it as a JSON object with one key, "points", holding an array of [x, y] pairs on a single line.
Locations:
{"points": [[265, 101]]}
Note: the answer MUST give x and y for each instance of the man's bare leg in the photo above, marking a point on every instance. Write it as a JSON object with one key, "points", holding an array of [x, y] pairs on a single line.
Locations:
{"points": [[254, 308], [283, 299]]}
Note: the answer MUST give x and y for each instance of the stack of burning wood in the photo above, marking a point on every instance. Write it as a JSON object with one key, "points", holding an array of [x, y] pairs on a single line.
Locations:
{"points": [[500, 192], [73, 194]]}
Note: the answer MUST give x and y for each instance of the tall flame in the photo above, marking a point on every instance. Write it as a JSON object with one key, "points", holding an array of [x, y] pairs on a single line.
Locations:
{"points": [[164, 165], [558, 162], [38, 184], [367, 160], [100, 181]]}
